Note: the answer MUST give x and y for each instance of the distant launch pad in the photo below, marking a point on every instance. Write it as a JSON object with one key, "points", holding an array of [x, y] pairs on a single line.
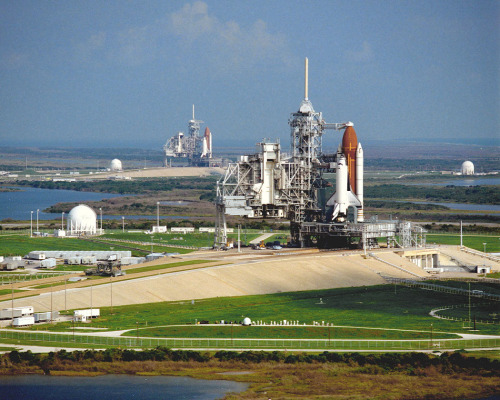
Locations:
{"points": [[269, 184], [193, 147]]}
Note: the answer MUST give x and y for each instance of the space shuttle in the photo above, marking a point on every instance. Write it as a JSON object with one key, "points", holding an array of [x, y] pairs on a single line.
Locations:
{"points": [[207, 144], [349, 172]]}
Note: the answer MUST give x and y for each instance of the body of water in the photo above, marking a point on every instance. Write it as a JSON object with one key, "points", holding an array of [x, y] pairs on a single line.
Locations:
{"points": [[110, 387], [463, 182], [464, 206], [18, 204]]}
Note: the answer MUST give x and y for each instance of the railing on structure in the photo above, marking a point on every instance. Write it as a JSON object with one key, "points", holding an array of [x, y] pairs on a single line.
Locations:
{"points": [[79, 341], [440, 288], [393, 265], [480, 253], [8, 279]]}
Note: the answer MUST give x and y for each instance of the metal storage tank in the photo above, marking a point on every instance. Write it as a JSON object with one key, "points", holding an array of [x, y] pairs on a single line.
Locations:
{"points": [[467, 168], [82, 220], [115, 165]]}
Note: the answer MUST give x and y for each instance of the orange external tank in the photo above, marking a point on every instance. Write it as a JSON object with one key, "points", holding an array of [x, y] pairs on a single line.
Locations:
{"points": [[349, 146]]}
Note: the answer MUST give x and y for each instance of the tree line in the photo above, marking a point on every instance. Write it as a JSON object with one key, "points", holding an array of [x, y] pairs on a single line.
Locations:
{"points": [[448, 362]]}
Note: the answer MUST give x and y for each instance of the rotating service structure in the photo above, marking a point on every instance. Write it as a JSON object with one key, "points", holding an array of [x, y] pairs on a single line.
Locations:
{"points": [[271, 184], [195, 148]]}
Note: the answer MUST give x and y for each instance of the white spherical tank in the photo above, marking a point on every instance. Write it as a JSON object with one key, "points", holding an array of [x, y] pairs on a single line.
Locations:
{"points": [[467, 168], [82, 220], [246, 322], [116, 165]]}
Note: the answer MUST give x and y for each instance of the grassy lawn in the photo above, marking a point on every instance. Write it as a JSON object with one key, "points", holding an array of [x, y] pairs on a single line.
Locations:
{"points": [[144, 247], [204, 239], [72, 268], [22, 245], [8, 291], [472, 241], [376, 306]]}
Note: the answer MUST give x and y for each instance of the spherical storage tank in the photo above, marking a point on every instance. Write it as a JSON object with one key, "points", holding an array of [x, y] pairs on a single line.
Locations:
{"points": [[246, 322], [116, 165], [467, 168], [82, 220]]}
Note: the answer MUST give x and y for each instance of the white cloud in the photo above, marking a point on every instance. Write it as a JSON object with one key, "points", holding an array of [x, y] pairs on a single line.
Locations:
{"points": [[191, 30], [361, 56]]}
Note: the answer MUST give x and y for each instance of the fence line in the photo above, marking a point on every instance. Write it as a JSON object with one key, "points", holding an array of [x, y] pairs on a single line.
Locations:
{"points": [[69, 339], [435, 311]]}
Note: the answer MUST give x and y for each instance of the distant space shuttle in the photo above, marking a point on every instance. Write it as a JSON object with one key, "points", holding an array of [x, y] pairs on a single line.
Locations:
{"points": [[349, 171], [207, 144]]}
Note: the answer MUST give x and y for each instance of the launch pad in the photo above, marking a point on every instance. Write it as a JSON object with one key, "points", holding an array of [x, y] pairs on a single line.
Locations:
{"points": [[196, 149], [271, 184]]}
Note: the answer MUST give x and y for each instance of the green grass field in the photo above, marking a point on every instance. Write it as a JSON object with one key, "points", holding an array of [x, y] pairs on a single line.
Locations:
{"points": [[373, 307], [472, 241], [22, 244], [191, 239]]}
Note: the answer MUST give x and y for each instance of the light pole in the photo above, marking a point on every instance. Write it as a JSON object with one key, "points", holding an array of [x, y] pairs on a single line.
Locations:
{"points": [[62, 221], [91, 308], [111, 289], [100, 211], [31, 225], [239, 246], [123, 224], [37, 210], [158, 216]]}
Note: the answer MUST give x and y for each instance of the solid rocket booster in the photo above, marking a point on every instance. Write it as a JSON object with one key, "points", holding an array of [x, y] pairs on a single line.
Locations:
{"points": [[359, 180], [341, 186]]}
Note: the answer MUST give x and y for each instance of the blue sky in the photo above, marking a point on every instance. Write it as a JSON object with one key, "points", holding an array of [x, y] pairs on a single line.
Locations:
{"points": [[126, 73]]}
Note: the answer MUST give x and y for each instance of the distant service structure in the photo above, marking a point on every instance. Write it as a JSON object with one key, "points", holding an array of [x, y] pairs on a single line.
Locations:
{"points": [[269, 184], [193, 147]]}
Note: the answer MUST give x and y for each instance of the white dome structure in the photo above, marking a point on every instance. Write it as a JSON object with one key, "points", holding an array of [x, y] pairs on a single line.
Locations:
{"points": [[467, 168], [246, 322], [82, 220], [116, 165]]}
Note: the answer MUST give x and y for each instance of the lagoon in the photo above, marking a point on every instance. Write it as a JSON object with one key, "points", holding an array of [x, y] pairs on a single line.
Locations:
{"points": [[110, 387], [18, 204]]}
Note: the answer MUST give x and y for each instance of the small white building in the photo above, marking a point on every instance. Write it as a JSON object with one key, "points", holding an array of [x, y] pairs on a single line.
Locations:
{"points": [[23, 321], [86, 315], [48, 263], [154, 256], [182, 230], [159, 229]]}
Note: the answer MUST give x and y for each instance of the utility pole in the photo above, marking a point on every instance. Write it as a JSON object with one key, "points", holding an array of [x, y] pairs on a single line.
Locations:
{"points": [[158, 216]]}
